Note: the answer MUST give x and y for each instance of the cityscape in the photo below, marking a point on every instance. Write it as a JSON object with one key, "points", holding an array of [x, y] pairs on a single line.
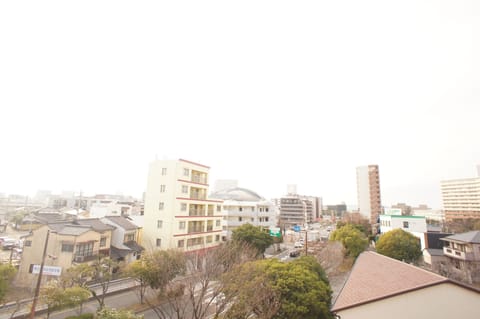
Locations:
{"points": [[238, 160]]}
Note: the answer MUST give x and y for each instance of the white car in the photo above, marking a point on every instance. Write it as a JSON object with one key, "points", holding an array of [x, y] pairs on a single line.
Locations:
{"points": [[298, 244]]}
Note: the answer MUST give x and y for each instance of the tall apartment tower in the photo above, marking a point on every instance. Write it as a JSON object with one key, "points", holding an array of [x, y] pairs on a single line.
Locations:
{"points": [[368, 192], [178, 213], [461, 198]]}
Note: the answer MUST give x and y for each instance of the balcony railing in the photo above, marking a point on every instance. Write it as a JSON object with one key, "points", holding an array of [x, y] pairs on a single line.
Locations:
{"points": [[196, 230], [196, 212], [458, 254]]}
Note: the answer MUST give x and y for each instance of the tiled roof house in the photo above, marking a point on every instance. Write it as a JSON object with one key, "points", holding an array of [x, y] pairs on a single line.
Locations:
{"points": [[382, 287]]}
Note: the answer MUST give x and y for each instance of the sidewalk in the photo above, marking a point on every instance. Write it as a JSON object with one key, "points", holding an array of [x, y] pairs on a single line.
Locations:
{"points": [[116, 287]]}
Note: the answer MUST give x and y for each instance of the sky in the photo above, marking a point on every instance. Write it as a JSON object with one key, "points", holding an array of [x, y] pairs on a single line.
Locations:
{"points": [[269, 93]]}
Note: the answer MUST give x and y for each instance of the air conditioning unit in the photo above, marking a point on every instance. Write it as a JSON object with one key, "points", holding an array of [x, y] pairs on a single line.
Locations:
{"points": [[79, 259]]}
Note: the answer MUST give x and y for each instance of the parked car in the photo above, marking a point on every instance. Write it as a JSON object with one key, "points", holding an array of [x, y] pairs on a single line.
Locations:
{"points": [[295, 253], [9, 243], [298, 244]]}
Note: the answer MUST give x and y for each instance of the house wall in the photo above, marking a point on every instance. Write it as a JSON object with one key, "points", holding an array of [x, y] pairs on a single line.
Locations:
{"points": [[444, 301], [55, 257]]}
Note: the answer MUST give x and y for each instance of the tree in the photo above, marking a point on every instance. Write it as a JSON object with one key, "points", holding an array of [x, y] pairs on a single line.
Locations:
{"points": [[102, 272], [400, 245], [156, 269], [195, 294], [7, 274], [352, 239], [270, 289], [56, 298], [106, 313], [253, 236]]}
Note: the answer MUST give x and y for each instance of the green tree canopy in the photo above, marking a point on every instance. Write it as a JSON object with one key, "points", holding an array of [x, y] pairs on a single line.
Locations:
{"points": [[7, 273], [400, 245], [351, 238], [273, 289], [253, 236]]}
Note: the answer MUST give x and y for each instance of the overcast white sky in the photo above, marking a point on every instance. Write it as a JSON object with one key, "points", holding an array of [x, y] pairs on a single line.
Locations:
{"points": [[267, 92]]}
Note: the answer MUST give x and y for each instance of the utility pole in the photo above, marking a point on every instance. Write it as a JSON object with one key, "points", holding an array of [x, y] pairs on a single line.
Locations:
{"points": [[306, 242], [39, 281]]}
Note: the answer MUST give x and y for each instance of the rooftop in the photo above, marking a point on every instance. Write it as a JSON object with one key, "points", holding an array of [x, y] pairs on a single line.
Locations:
{"points": [[122, 222], [472, 237], [238, 194], [375, 277]]}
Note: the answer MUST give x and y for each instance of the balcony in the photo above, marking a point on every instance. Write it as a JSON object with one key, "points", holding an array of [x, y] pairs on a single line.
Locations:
{"points": [[86, 257], [458, 254], [196, 212]]}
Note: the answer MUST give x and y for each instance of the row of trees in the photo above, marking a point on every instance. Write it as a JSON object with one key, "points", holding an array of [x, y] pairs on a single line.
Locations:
{"points": [[397, 244], [230, 281]]}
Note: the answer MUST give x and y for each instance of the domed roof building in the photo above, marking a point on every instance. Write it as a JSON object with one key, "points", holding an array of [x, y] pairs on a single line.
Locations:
{"points": [[242, 206]]}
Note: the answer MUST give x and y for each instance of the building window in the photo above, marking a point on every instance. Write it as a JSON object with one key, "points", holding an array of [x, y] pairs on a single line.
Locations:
{"points": [[159, 242], [217, 223], [217, 237], [103, 241], [209, 239], [129, 237], [28, 243], [67, 247], [85, 249], [240, 209], [160, 206], [185, 189], [266, 209], [164, 171], [186, 172], [181, 243], [181, 225], [405, 224], [239, 219], [266, 219], [162, 188], [219, 208], [159, 223], [183, 207]]}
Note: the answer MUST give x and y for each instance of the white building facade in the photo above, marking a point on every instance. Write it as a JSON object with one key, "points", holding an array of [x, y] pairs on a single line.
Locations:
{"points": [[415, 225], [242, 206], [178, 213]]}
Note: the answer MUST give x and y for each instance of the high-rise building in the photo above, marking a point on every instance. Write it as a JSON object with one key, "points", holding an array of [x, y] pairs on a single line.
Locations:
{"points": [[368, 192], [178, 213], [461, 198]]}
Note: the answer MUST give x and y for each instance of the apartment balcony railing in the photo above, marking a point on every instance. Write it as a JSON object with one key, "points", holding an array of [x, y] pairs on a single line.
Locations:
{"points": [[198, 196], [199, 179], [458, 254], [196, 230], [196, 212]]}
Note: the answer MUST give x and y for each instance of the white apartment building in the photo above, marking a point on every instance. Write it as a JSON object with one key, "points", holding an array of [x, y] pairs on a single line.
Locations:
{"points": [[178, 213], [243, 206], [415, 225], [368, 192], [461, 198]]}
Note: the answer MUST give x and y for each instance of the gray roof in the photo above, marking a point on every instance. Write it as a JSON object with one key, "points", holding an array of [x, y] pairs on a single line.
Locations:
{"points": [[122, 222], [238, 194], [472, 237], [95, 223], [435, 252], [74, 230]]}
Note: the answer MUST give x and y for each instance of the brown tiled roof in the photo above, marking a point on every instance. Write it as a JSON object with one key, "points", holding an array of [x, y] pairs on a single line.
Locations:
{"points": [[375, 277]]}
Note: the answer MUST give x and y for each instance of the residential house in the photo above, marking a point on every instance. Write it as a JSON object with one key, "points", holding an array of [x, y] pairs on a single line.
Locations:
{"points": [[125, 238], [382, 287], [463, 256], [66, 244]]}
